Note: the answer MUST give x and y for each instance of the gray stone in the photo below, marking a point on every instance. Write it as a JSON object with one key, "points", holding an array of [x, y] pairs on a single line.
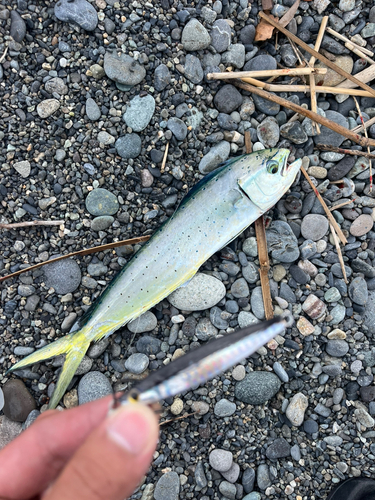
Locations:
{"points": [[97, 269], [56, 85], [167, 487], [294, 132], [261, 63], [128, 146], [341, 168], [148, 345], [314, 227], [137, 363], [178, 128], [281, 241], [296, 409], [224, 408], [139, 112], [250, 273], [257, 387], [94, 385], [358, 291], [64, 276], [200, 476], [246, 318], [240, 288], [97, 349], [228, 99], [279, 448], [263, 477], [217, 155], [217, 318], [80, 12], [269, 132], [221, 35], [47, 107], [248, 480], [162, 77], [92, 110], [265, 106], [8, 431], [256, 302], [123, 69], [101, 202], [220, 460], [338, 314], [205, 330], [23, 168], [144, 323], [327, 136], [337, 348], [234, 56], [368, 31], [17, 27], [23, 351], [279, 370], [102, 223], [201, 292], [31, 417], [195, 36], [193, 69], [228, 490], [18, 402]]}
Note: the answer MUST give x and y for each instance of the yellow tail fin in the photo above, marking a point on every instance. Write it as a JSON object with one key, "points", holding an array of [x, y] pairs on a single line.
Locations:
{"points": [[74, 345]]}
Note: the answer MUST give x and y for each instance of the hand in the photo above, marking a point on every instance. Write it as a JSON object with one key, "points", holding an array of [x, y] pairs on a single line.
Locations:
{"points": [[81, 453]]}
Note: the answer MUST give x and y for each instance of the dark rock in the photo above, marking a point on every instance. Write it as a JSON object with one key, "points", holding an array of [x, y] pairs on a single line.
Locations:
{"points": [[280, 448], [18, 402], [227, 99], [18, 27], [80, 12]]}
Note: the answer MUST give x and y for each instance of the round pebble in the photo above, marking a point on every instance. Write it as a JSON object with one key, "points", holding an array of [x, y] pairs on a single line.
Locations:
{"points": [[101, 202]]}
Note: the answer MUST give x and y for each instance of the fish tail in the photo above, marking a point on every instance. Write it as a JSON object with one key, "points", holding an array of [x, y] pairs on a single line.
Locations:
{"points": [[74, 345]]}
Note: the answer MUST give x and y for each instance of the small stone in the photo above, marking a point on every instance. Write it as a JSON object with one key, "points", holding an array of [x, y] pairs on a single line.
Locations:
{"points": [[257, 387], [234, 56], [314, 307], [268, 132], [294, 132], [137, 363], [280, 448], [162, 77], [265, 106], [139, 112], [102, 223], [228, 490], [101, 202], [332, 295], [358, 291], [178, 128], [331, 78], [47, 108], [17, 27], [232, 474], [261, 63], [94, 385], [64, 276], [296, 409], [8, 430], [368, 31], [201, 292], [337, 334], [256, 301], [281, 241], [167, 487], [364, 418], [195, 36], [217, 155], [337, 348], [224, 408], [227, 99], [144, 323], [193, 69], [18, 402], [263, 477], [177, 406], [362, 225], [123, 69], [80, 12], [239, 373], [97, 71], [240, 288], [327, 136], [341, 168], [246, 319], [92, 110], [22, 167], [314, 227], [220, 460], [98, 269], [248, 479], [200, 476], [221, 35], [129, 146]]}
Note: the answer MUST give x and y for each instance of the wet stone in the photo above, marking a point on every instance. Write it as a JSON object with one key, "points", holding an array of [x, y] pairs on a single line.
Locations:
{"points": [[257, 387], [80, 12], [101, 202], [260, 63], [64, 276], [139, 112], [123, 69], [148, 345]]}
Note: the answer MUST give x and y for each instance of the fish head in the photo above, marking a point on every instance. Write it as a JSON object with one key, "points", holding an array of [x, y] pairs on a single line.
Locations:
{"points": [[268, 176]]}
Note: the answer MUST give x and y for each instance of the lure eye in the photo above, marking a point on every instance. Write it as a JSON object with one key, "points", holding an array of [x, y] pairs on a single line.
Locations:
{"points": [[272, 167]]}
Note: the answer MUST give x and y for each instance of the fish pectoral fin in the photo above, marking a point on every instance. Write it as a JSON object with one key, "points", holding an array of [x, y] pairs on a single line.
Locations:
{"points": [[74, 345]]}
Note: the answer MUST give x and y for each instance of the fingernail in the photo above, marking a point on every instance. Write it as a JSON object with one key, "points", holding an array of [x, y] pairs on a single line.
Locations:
{"points": [[132, 427]]}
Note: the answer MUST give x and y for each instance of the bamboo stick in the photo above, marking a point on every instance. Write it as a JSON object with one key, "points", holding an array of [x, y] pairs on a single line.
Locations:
{"points": [[272, 87], [348, 202], [337, 245], [313, 52], [365, 131], [326, 209], [264, 264], [164, 158], [342, 151], [85, 251], [365, 76], [266, 73], [362, 141], [356, 51], [32, 223], [367, 124], [345, 39], [314, 106]]}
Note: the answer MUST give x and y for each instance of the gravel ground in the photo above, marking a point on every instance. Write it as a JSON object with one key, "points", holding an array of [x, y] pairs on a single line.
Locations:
{"points": [[90, 94]]}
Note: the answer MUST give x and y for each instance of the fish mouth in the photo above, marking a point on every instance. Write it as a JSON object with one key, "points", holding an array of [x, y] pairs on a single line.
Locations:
{"points": [[291, 167]]}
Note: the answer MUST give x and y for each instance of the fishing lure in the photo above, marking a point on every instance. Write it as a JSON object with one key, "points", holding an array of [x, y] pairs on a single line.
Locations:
{"points": [[202, 364]]}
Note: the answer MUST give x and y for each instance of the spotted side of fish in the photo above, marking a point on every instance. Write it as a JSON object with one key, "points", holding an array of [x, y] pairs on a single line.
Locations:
{"points": [[212, 214]]}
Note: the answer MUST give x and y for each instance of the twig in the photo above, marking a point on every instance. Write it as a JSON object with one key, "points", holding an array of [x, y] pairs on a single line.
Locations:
{"points": [[86, 251], [362, 141], [359, 53], [177, 418], [164, 158], [340, 205], [266, 73], [4, 54], [365, 131], [326, 209], [344, 39], [323, 147], [367, 124], [318, 42], [366, 75], [32, 223], [337, 245], [264, 264], [313, 52]]}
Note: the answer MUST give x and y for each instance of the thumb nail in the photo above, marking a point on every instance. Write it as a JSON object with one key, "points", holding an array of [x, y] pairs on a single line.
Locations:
{"points": [[133, 428]]}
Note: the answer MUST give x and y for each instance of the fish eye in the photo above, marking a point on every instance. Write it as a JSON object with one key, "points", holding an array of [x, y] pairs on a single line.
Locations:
{"points": [[272, 167]]}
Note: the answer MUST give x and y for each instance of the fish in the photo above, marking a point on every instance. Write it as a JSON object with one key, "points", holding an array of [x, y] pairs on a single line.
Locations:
{"points": [[212, 214], [200, 365]]}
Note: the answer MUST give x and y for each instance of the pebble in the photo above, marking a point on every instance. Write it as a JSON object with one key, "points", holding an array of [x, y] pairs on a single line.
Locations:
{"points": [[193, 69], [167, 487], [195, 36], [263, 477], [228, 99], [268, 132], [234, 56], [23, 168], [362, 225], [144, 323], [123, 69], [139, 112], [177, 406], [47, 108], [327, 136], [224, 408], [256, 302], [178, 128], [282, 242], [232, 474], [129, 146], [17, 27], [246, 318], [296, 409], [80, 12], [364, 418], [228, 490], [248, 480], [257, 387], [205, 329], [64, 276], [201, 292], [92, 110], [314, 227], [101, 202], [240, 288], [221, 35], [137, 363], [279, 448], [102, 223], [162, 77], [254, 495], [261, 63], [265, 106], [94, 385], [217, 155], [358, 291], [220, 460], [314, 307], [331, 78], [294, 132], [280, 372], [9, 430], [18, 402], [337, 348]]}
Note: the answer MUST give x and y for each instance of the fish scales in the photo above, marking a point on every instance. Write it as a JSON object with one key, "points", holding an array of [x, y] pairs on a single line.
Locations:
{"points": [[213, 213]]}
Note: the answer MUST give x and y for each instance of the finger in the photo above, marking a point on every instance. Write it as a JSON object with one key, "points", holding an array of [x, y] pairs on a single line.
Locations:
{"points": [[36, 457], [113, 460]]}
